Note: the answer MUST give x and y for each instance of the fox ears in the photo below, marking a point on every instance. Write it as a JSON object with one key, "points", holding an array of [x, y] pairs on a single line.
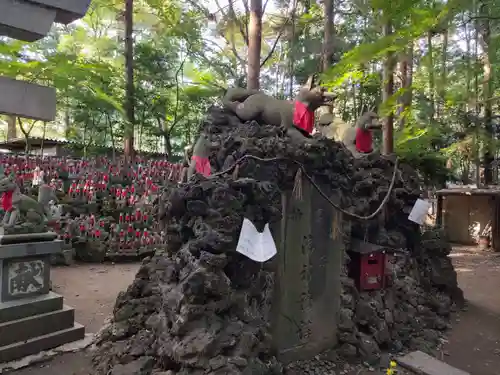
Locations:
{"points": [[367, 109], [311, 81]]}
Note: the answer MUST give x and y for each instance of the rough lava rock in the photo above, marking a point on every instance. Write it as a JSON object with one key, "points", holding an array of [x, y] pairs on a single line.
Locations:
{"points": [[201, 308]]}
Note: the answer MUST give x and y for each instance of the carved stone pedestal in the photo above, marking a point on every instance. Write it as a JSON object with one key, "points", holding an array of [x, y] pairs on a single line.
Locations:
{"points": [[311, 242], [32, 319]]}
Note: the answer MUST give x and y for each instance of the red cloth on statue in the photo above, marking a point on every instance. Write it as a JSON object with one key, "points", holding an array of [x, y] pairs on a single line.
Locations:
{"points": [[364, 140], [7, 200], [303, 117], [202, 165]]}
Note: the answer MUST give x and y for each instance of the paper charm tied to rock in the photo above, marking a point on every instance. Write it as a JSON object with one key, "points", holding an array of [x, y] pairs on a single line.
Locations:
{"points": [[419, 211], [257, 246]]}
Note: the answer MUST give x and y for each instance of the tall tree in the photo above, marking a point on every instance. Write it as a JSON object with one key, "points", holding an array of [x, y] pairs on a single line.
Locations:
{"points": [[129, 78], [387, 92], [484, 31], [406, 74], [254, 44], [328, 47]]}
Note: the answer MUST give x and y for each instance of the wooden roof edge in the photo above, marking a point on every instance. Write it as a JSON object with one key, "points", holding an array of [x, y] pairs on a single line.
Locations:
{"points": [[469, 191]]}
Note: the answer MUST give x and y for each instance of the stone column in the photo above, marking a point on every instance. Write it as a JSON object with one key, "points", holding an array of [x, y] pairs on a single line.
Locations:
{"points": [[310, 241]]}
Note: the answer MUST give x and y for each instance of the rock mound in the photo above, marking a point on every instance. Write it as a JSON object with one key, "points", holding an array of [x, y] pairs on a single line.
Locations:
{"points": [[201, 308]]}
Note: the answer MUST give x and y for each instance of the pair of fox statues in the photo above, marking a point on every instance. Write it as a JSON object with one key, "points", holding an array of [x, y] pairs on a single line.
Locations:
{"points": [[297, 117]]}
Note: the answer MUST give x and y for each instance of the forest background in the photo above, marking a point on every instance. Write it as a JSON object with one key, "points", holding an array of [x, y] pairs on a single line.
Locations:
{"points": [[139, 75]]}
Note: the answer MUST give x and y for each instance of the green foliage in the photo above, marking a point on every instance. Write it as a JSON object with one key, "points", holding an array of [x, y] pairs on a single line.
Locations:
{"points": [[180, 68], [415, 147]]}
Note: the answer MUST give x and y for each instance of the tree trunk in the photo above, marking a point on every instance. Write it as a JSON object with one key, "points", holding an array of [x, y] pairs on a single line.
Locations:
{"points": [[291, 52], [85, 140], [67, 124], [168, 145], [444, 72], [477, 151], [468, 62], [11, 128], [355, 110], [387, 92], [129, 78], [485, 40], [254, 45], [26, 133], [328, 48], [406, 71], [141, 128], [112, 136], [432, 84], [42, 145]]}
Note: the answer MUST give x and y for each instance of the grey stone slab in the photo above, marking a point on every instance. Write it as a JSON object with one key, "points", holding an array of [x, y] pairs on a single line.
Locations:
{"points": [[24, 99], [18, 309], [24, 277], [41, 343], [307, 284], [36, 325], [9, 239], [26, 21], [42, 357], [424, 364], [30, 249], [67, 10]]}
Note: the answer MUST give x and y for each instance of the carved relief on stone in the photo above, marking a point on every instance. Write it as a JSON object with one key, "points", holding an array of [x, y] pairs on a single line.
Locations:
{"points": [[25, 277]]}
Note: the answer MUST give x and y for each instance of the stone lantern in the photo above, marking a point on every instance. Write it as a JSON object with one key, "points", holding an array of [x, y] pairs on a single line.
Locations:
{"points": [[31, 20], [32, 318]]}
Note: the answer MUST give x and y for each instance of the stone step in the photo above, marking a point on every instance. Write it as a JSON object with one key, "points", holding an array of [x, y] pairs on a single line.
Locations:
{"points": [[424, 364], [36, 325], [14, 310], [38, 344]]}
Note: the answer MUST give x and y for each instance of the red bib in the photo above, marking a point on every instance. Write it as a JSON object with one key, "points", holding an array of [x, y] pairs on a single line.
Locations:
{"points": [[202, 165], [303, 117], [364, 140], [7, 200]]}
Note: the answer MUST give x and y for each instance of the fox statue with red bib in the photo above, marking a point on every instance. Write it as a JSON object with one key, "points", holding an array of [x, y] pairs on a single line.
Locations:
{"points": [[296, 117], [357, 139]]}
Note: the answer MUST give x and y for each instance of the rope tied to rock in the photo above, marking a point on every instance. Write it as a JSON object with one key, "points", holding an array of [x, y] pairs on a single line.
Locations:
{"points": [[318, 189]]}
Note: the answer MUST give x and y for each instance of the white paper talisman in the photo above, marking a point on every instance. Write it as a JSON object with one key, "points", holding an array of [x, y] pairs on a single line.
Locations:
{"points": [[419, 211], [259, 247]]}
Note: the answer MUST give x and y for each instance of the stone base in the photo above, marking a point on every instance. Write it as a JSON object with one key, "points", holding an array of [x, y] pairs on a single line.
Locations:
{"points": [[14, 310], [25, 269], [41, 343], [32, 325], [46, 355]]}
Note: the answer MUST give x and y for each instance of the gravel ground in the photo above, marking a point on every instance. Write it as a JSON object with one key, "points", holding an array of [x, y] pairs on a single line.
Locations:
{"points": [[473, 345]]}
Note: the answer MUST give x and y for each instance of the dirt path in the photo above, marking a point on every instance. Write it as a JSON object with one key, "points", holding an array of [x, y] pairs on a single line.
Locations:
{"points": [[474, 342], [91, 290]]}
